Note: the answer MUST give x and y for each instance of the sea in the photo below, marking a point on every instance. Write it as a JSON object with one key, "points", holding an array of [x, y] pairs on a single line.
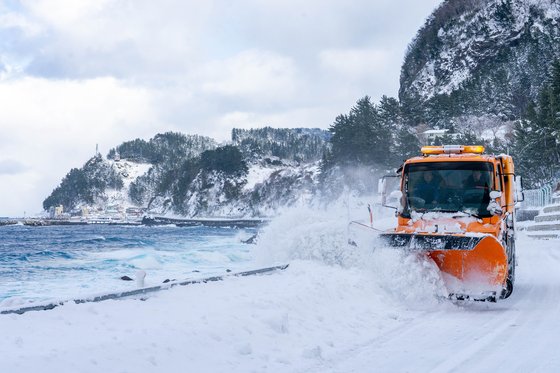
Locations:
{"points": [[57, 263]]}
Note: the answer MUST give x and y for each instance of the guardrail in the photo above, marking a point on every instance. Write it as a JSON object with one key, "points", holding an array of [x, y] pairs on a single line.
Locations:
{"points": [[538, 197]]}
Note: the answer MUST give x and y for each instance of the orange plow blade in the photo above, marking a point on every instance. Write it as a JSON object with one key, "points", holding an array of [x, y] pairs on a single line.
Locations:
{"points": [[472, 266]]}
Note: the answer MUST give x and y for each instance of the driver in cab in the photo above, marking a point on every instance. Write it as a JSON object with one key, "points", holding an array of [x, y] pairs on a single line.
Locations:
{"points": [[428, 188], [476, 181], [479, 181]]}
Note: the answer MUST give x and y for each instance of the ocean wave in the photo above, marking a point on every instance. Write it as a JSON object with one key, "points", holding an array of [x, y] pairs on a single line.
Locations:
{"points": [[38, 263], [42, 255]]}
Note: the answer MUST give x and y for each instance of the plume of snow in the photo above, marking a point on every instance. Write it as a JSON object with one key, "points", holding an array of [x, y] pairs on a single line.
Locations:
{"points": [[321, 235]]}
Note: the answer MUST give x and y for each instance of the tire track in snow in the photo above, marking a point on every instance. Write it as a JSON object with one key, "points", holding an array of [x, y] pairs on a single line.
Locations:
{"points": [[385, 336], [385, 352], [527, 344]]}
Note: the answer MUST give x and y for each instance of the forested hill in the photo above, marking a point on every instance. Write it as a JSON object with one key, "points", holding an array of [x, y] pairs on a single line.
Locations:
{"points": [[298, 144], [256, 173], [479, 58]]}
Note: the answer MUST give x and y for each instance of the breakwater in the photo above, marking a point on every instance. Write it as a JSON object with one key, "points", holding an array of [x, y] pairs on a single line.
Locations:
{"points": [[148, 221]]}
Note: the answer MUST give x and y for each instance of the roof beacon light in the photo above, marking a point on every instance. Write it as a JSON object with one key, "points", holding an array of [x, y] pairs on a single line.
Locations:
{"points": [[429, 150], [452, 149], [476, 149]]}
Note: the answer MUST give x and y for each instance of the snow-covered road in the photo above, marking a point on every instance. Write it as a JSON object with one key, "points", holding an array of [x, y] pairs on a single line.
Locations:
{"points": [[326, 313], [519, 334]]}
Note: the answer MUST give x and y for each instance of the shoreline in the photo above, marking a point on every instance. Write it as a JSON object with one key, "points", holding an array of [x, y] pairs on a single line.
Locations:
{"points": [[146, 221]]}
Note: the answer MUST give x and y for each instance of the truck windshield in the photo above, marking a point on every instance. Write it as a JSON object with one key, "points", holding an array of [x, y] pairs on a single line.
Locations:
{"points": [[448, 187]]}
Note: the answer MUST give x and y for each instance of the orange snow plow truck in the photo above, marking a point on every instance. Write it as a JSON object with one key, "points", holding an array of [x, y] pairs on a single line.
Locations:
{"points": [[457, 205]]}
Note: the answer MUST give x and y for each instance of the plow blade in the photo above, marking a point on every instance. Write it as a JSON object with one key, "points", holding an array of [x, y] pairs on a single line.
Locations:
{"points": [[429, 242], [470, 265]]}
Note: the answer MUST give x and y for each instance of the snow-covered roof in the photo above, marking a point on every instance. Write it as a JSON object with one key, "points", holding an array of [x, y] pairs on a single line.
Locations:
{"points": [[435, 132]]}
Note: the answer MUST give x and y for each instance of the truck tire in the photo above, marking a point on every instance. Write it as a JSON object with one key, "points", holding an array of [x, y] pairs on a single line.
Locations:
{"points": [[508, 289]]}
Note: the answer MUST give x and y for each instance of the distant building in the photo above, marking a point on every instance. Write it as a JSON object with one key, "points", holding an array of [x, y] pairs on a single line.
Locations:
{"points": [[430, 136], [56, 212], [134, 211], [114, 209]]}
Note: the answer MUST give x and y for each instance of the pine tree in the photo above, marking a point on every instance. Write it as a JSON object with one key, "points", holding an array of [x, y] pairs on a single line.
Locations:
{"points": [[537, 136], [407, 144], [390, 111], [361, 137]]}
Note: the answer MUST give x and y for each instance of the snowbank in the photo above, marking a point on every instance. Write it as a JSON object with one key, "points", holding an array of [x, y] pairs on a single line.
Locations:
{"points": [[283, 322], [330, 311]]}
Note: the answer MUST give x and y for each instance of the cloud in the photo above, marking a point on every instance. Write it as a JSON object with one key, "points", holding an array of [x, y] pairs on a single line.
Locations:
{"points": [[355, 63], [51, 126], [251, 74], [149, 41], [11, 167], [72, 109], [92, 38], [18, 21], [63, 13]]}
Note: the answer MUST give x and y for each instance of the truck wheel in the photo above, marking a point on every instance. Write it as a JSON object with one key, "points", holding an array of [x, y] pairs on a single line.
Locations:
{"points": [[506, 292], [508, 289]]}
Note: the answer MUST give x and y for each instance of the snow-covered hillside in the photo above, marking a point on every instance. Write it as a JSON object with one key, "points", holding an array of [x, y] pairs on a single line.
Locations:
{"points": [[262, 192], [491, 56], [266, 188], [332, 310], [118, 198], [187, 175]]}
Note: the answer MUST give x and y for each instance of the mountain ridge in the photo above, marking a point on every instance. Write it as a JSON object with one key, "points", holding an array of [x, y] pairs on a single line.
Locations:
{"points": [[191, 176], [480, 57]]}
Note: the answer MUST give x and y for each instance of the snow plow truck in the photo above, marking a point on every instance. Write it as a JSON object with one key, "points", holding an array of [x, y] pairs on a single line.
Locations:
{"points": [[456, 205]]}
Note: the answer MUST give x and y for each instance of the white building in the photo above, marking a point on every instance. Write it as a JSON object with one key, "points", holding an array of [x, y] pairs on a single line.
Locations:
{"points": [[431, 135]]}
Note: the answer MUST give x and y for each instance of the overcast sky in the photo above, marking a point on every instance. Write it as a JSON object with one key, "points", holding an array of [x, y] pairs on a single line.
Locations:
{"points": [[76, 73]]}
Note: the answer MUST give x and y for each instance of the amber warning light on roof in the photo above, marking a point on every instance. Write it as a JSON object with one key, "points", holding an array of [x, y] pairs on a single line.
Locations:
{"points": [[452, 149]]}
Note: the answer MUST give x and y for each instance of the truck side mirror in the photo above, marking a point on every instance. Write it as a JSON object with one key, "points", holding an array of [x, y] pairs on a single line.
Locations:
{"points": [[397, 195], [493, 206], [382, 190], [382, 187], [495, 194]]}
